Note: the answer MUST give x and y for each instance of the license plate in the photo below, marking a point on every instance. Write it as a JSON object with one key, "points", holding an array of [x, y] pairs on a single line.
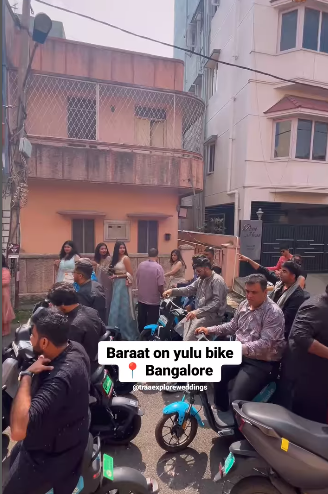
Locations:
{"points": [[163, 321], [107, 385], [230, 460], [134, 403]]}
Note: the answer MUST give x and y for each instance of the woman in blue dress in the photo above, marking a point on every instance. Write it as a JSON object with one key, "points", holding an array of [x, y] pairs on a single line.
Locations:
{"points": [[122, 314], [65, 265]]}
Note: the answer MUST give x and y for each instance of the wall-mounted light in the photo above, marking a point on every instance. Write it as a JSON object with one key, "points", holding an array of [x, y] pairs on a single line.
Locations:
{"points": [[259, 213]]}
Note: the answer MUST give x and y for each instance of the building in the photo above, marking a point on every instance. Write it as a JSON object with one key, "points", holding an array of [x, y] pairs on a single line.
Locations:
{"points": [[265, 139], [5, 157], [116, 144]]}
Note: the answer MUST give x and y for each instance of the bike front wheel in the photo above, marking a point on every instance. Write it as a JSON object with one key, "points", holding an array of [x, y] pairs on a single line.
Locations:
{"points": [[173, 437]]}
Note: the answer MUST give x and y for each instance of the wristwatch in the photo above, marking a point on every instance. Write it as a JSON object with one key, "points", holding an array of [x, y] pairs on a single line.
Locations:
{"points": [[25, 373]]}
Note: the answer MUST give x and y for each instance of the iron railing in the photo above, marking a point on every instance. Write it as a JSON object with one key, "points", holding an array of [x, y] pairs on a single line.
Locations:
{"points": [[69, 108]]}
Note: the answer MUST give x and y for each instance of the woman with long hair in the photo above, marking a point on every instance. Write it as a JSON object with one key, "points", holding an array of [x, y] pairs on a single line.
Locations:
{"points": [[65, 265], [7, 311], [122, 314], [178, 267], [102, 262]]}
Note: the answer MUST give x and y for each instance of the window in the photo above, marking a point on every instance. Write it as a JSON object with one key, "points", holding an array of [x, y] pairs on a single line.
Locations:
{"points": [[213, 73], [210, 158], [282, 139], [288, 30], [319, 148], [310, 139], [116, 230], [147, 236], [150, 126], [84, 235], [81, 119], [303, 143], [315, 31]]}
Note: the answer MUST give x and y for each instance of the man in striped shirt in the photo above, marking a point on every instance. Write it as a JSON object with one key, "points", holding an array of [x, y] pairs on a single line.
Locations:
{"points": [[259, 325]]}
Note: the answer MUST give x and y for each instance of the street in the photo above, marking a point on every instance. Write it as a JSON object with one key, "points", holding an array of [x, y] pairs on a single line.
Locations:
{"points": [[190, 471]]}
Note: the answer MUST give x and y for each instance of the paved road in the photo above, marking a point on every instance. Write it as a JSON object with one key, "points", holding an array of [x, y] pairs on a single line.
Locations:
{"points": [[190, 471]]}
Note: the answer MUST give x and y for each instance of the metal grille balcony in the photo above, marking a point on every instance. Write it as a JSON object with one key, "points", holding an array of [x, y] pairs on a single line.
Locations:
{"points": [[74, 109]]}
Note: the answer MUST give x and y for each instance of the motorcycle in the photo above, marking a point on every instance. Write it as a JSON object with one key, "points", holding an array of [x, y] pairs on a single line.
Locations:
{"points": [[170, 315], [282, 453], [116, 419], [181, 419], [94, 477], [112, 334]]}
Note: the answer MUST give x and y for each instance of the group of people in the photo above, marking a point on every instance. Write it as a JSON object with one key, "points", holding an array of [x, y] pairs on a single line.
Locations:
{"points": [[105, 283], [284, 330], [279, 329]]}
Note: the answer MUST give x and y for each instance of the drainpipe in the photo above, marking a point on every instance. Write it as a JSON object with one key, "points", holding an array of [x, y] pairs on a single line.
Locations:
{"points": [[234, 192]]}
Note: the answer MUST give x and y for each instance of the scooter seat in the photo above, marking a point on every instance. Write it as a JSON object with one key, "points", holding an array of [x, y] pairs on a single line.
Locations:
{"points": [[97, 375], [302, 432]]}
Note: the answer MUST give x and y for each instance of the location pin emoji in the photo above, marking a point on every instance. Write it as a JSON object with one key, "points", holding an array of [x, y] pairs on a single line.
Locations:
{"points": [[133, 367]]}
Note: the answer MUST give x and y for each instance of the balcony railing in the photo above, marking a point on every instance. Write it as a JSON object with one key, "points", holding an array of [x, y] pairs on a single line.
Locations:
{"points": [[107, 112]]}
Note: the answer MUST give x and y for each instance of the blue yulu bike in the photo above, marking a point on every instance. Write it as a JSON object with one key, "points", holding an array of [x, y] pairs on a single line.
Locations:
{"points": [[179, 424]]}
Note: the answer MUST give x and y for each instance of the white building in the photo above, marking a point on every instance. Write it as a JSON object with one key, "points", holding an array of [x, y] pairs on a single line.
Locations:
{"points": [[266, 139]]}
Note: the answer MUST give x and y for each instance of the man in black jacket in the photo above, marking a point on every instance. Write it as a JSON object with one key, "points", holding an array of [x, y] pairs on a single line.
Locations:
{"points": [[91, 293], [286, 293], [50, 412], [306, 362], [86, 327]]}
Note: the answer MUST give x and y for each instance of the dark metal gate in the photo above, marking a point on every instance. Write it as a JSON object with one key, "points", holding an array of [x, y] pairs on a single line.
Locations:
{"points": [[311, 242]]}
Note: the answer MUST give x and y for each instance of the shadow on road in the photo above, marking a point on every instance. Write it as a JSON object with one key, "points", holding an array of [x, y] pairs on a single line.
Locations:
{"points": [[126, 456], [182, 470]]}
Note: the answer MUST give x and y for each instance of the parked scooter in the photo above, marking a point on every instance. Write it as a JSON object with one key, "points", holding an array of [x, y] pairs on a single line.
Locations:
{"points": [[282, 453], [170, 315], [93, 478], [116, 419], [179, 424]]}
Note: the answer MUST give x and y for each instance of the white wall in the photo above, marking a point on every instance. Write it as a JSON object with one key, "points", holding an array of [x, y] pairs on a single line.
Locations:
{"points": [[241, 99]]}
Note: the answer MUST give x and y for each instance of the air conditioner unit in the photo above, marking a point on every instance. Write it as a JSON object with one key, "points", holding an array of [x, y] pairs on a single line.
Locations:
{"points": [[216, 3], [191, 36]]}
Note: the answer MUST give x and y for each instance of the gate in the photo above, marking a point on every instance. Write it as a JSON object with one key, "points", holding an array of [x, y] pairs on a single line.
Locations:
{"points": [[311, 242]]}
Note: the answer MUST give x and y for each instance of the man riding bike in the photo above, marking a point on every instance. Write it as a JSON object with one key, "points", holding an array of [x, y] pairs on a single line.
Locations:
{"points": [[86, 327], [211, 299], [259, 325], [50, 413]]}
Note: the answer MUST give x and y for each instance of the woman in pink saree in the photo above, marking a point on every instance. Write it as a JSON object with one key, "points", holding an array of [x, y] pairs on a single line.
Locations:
{"points": [[7, 311]]}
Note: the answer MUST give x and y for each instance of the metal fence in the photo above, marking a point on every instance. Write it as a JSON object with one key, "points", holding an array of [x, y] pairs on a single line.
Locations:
{"points": [[107, 112]]}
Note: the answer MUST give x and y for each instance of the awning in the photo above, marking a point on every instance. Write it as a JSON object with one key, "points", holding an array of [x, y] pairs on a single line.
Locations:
{"points": [[211, 140], [297, 103], [159, 216], [212, 64], [82, 214]]}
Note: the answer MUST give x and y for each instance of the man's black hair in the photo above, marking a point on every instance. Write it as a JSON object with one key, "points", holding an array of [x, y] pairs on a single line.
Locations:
{"points": [[153, 253], [200, 262], [293, 268], [217, 270], [84, 266], [52, 325], [63, 294], [284, 247], [252, 279]]}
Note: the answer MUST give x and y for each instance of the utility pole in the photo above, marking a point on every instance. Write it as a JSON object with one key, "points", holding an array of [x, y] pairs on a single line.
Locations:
{"points": [[18, 165]]}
